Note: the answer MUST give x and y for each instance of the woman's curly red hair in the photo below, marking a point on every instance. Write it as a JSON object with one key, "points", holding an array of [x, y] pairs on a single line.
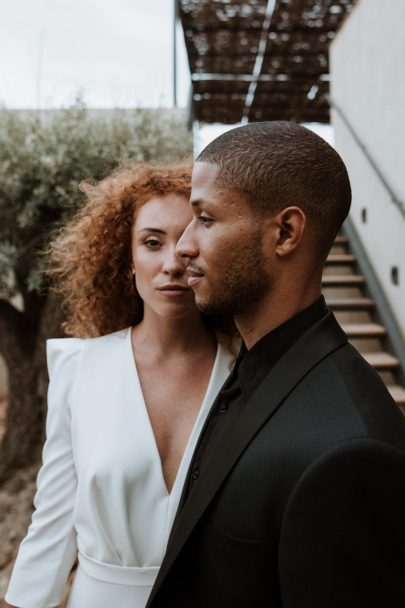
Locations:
{"points": [[90, 259]]}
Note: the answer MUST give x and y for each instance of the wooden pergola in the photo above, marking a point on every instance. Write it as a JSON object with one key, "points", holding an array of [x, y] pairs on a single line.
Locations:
{"points": [[260, 60]]}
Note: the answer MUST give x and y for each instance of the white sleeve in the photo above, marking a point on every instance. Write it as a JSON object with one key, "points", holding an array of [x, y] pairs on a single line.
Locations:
{"points": [[49, 550]]}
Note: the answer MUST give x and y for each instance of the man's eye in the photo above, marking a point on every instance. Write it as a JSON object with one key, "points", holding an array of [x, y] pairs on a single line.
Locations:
{"points": [[152, 243], [204, 219]]}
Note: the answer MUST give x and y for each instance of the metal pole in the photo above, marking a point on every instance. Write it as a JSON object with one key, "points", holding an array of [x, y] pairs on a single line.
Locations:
{"points": [[175, 16], [400, 204]]}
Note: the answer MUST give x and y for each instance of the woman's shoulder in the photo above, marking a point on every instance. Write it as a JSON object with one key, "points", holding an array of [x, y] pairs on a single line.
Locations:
{"points": [[68, 352], [62, 352]]}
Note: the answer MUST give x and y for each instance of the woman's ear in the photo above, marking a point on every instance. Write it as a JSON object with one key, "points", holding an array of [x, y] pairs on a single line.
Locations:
{"points": [[290, 223]]}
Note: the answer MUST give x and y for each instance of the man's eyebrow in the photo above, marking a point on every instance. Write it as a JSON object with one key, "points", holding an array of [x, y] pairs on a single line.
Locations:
{"points": [[155, 230]]}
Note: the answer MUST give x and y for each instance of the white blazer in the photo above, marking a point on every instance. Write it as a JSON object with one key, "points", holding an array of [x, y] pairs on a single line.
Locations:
{"points": [[101, 493]]}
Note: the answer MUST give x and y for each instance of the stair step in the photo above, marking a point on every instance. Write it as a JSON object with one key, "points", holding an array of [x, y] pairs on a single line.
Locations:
{"points": [[342, 280], [341, 258], [341, 239], [397, 393], [381, 360], [349, 303], [363, 330]]}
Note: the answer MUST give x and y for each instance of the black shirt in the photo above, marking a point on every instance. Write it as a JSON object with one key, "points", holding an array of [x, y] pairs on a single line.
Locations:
{"points": [[250, 369]]}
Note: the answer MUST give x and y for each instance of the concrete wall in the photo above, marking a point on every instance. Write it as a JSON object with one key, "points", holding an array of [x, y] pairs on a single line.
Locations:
{"points": [[368, 84]]}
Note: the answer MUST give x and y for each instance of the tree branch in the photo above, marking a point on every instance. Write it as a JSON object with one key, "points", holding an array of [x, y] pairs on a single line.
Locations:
{"points": [[12, 331]]}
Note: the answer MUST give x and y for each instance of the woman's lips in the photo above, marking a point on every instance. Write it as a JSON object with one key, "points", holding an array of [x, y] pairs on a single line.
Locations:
{"points": [[175, 291]]}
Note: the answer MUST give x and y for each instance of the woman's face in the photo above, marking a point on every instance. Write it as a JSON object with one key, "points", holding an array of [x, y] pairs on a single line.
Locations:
{"points": [[160, 274]]}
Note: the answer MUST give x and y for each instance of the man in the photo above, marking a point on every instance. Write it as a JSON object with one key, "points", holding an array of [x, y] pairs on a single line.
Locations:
{"points": [[296, 492]]}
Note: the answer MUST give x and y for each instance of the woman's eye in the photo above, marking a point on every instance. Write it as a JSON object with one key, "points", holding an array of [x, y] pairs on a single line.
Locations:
{"points": [[152, 243]]}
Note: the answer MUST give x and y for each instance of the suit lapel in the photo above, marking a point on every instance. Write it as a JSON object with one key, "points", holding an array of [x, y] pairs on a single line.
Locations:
{"points": [[315, 344]]}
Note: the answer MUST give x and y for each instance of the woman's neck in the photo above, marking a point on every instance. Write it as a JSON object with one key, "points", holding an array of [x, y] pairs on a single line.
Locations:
{"points": [[163, 337]]}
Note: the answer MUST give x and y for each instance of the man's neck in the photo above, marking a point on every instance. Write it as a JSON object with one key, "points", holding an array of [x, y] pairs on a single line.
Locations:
{"points": [[270, 312]]}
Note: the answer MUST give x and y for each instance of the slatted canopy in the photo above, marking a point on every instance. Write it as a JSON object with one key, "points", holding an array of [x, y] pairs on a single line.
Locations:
{"points": [[260, 60]]}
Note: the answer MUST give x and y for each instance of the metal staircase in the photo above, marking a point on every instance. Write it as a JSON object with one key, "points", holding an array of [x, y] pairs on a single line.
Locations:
{"points": [[343, 288]]}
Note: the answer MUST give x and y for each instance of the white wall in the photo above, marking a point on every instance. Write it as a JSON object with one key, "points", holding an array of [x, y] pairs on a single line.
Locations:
{"points": [[368, 84]]}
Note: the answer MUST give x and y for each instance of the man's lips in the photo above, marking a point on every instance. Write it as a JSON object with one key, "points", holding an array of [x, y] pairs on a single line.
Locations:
{"points": [[194, 275]]}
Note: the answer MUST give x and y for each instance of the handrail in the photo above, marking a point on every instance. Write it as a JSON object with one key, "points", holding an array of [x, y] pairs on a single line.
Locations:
{"points": [[372, 162]]}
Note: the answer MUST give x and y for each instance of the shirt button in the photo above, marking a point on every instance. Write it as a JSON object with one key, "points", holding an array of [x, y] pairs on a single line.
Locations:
{"points": [[223, 408], [196, 473]]}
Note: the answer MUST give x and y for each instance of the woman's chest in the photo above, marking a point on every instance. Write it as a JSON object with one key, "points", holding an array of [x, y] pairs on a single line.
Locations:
{"points": [[110, 431], [172, 400]]}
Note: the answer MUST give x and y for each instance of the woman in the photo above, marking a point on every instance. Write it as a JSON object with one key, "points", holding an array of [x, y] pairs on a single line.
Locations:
{"points": [[126, 404]]}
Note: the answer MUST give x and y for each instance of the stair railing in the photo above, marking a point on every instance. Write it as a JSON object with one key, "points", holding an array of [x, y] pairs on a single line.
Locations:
{"points": [[370, 159]]}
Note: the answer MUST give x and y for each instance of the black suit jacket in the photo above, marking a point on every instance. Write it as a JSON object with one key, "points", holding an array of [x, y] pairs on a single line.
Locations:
{"points": [[304, 505]]}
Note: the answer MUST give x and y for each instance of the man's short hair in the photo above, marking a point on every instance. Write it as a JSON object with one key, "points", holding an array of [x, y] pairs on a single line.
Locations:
{"points": [[277, 164]]}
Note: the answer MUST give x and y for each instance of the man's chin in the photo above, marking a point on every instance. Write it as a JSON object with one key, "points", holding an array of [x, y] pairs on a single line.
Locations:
{"points": [[201, 303], [204, 305], [215, 306]]}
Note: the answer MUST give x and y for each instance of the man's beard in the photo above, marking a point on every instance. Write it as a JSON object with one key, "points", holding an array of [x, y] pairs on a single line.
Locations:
{"points": [[243, 282]]}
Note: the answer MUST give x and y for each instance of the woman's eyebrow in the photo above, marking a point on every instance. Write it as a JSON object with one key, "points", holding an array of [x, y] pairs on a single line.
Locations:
{"points": [[156, 230]]}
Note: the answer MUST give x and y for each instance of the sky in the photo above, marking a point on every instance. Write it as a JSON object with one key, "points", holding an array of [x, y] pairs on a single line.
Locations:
{"points": [[110, 53], [113, 54]]}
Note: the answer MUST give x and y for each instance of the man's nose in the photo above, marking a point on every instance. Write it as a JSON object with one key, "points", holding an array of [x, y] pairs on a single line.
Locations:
{"points": [[186, 245]]}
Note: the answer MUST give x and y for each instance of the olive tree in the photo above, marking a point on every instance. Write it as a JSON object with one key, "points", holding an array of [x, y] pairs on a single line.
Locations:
{"points": [[43, 158]]}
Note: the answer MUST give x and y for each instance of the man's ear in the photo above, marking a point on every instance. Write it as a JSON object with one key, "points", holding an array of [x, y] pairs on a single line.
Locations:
{"points": [[290, 225]]}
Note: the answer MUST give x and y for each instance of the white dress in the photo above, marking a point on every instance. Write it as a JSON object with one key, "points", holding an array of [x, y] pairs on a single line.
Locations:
{"points": [[101, 493]]}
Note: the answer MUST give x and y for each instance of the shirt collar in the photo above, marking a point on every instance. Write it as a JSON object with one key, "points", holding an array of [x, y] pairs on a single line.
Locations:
{"points": [[253, 365]]}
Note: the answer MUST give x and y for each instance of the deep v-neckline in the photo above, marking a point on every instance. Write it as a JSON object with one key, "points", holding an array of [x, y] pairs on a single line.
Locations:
{"points": [[148, 422]]}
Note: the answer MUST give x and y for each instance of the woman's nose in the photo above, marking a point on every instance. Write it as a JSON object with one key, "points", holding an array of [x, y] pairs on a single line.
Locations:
{"points": [[174, 263]]}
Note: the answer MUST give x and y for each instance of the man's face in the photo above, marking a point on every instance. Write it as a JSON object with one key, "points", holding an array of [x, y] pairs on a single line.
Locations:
{"points": [[224, 244]]}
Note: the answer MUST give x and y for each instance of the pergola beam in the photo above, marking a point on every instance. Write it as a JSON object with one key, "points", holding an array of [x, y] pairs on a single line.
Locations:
{"points": [[248, 49]]}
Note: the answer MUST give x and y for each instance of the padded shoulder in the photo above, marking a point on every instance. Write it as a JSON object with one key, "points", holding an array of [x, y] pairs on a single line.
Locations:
{"points": [[63, 353]]}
